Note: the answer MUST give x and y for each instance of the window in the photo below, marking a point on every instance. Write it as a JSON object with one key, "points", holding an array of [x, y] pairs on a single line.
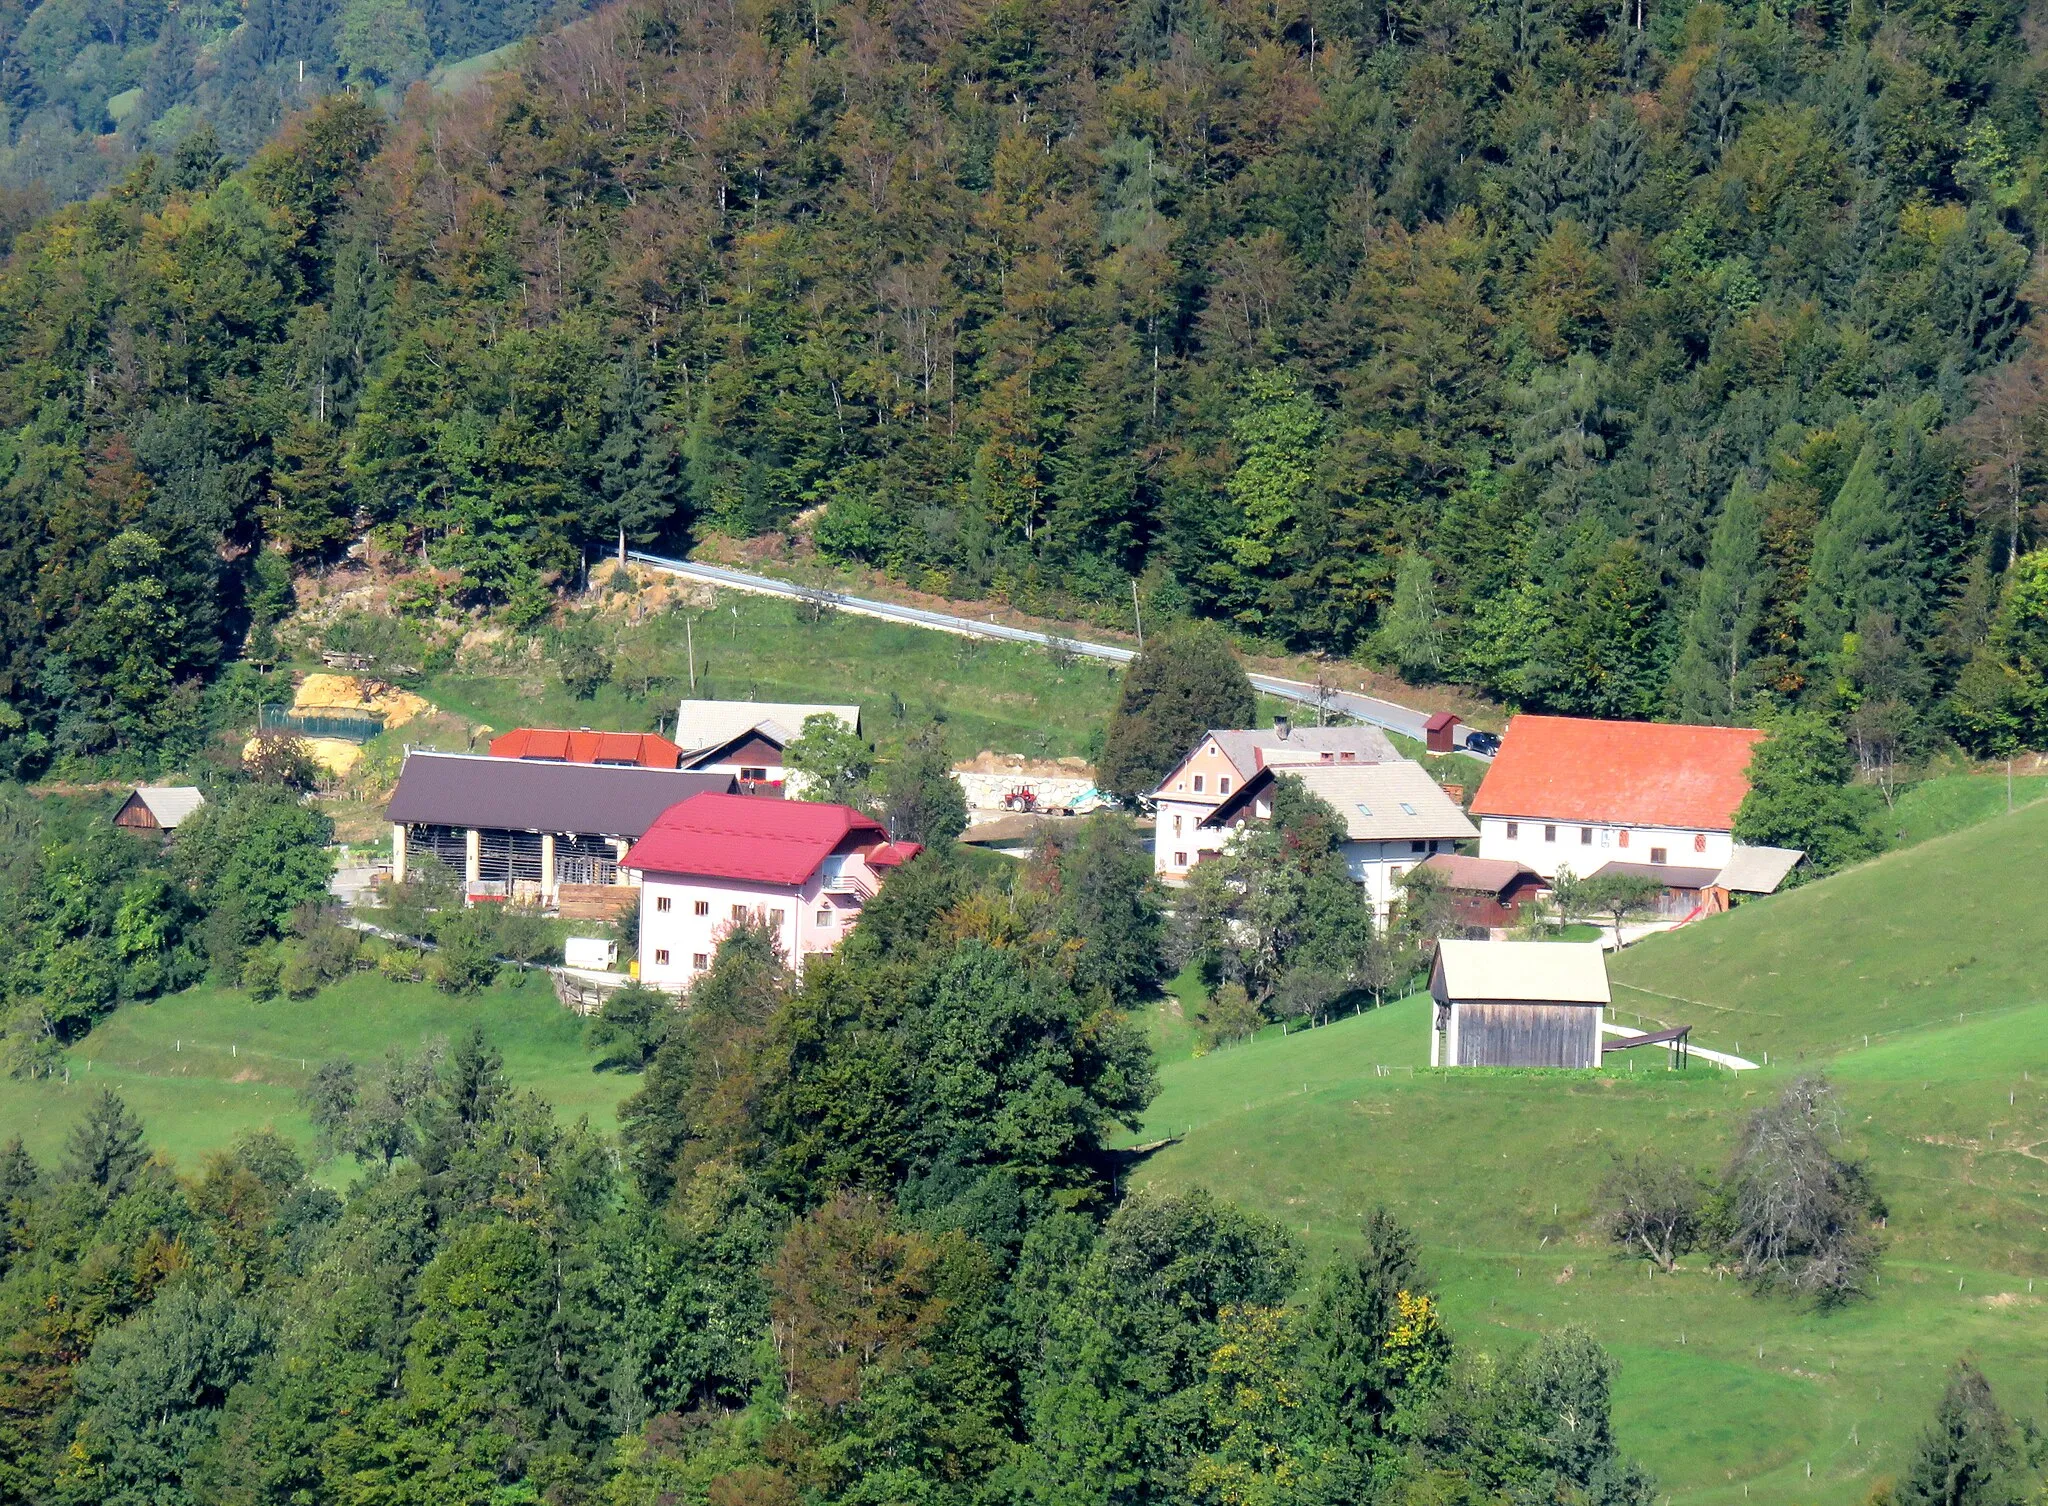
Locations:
{"points": [[1198, 784], [1363, 808], [775, 919], [1176, 826], [739, 912], [1657, 855], [1699, 841], [1514, 830], [702, 907], [699, 961], [1346, 757], [1180, 860], [1621, 837], [664, 903], [1550, 834], [1418, 847], [1223, 785], [661, 958], [824, 917], [1585, 836], [1327, 757], [1407, 809], [757, 774]]}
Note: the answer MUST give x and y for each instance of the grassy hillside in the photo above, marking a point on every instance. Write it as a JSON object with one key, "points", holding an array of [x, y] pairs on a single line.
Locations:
{"points": [[985, 695], [1910, 940], [203, 1066], [1727, 1396]]}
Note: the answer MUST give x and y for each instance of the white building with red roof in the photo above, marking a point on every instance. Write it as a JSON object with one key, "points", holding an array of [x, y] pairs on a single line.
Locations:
{"points": [[802, 868], [1577, 793]]}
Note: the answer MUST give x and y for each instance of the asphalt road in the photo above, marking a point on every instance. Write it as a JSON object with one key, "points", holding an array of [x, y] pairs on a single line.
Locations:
{"points": [[1389, 714]]}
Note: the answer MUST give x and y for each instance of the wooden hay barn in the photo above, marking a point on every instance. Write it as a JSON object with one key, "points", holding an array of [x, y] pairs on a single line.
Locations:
{"points": [[1517, 1004], [158, 808]]}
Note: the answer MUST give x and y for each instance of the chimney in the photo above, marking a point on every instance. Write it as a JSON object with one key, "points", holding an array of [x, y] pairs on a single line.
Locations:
{"points": [[1281, 727]]}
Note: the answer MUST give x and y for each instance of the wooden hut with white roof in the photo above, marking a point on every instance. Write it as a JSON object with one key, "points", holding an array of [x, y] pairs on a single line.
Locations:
{"points": [[1517, 1004]]}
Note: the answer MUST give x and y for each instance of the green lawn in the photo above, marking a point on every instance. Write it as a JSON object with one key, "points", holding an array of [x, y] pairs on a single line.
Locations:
{"points": [[204, 1066], [984, 695], [1935, 807], [1952, 927]]}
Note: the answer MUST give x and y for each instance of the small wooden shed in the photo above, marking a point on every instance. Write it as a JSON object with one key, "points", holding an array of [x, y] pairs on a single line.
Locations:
{"points": [[1484, 892], [1440, 732], [1517, 1004], [160, 808]]}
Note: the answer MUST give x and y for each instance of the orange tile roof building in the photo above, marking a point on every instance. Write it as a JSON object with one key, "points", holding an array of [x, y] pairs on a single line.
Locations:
{"points": [[554, 745], [1577, 793]]}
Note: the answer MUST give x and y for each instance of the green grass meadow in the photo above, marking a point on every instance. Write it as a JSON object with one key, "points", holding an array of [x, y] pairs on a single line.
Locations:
{"points": [[1726, 1395], [1004, 696], [202, 1067]]}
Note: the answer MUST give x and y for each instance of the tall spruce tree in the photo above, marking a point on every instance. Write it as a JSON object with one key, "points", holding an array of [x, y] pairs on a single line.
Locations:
{"points": [[105, 1149], [1861, 560], [1968, 1456], [1707, 683], [1184, 683]]}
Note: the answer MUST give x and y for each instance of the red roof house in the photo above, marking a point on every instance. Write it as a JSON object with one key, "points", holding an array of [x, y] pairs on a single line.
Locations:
{"points": [[555, 745], [1577, 793], [804, 869]]}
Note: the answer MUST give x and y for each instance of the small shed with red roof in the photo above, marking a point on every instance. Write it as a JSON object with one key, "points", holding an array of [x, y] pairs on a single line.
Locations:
{"points": [[714, 861], [1440, 732], [1578, 793]]}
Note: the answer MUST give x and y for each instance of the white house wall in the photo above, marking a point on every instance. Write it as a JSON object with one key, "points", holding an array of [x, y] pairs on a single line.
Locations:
{"points": [[1572, 847], [1187, 839]]}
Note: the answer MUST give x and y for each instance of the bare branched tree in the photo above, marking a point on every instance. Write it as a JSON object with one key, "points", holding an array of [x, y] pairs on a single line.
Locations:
{"points": [[1654, 1206], [1802, 1215]]}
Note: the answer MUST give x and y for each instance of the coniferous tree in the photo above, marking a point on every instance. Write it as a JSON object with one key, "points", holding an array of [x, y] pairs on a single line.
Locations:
{"points": [[1717, 646], [636, 460], [1412, 635], [1968, 1455], [309, 510], [1186, 682], [1860, 557], [105, 1149]]}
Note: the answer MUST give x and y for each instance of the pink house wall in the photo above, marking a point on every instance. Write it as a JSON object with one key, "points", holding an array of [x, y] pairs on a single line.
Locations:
{"points": [[684, 935]]}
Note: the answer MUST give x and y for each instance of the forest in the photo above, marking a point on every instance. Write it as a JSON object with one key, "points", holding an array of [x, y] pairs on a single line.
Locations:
{"points": [[1634, 361], [89, 86]]}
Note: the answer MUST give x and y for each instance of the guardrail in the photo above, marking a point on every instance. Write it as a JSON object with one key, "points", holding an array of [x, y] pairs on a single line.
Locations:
{"points": [[1405, 720]]}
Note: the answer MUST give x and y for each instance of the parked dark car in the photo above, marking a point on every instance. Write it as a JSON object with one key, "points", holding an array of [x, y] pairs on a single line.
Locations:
{"points": [[1482, 742]]}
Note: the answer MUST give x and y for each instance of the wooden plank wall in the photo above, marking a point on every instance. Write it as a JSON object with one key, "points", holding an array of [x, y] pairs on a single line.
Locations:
{"points": [[596, 901], [1528, 1035]]}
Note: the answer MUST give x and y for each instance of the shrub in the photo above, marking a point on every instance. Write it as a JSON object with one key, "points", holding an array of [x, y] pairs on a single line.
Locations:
{"points": [[467, 955]]}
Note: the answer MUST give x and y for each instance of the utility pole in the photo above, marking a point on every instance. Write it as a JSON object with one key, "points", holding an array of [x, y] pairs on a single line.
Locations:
{"points": [[2008, 786], [622, 546], [1140, 616], [690, 637]]}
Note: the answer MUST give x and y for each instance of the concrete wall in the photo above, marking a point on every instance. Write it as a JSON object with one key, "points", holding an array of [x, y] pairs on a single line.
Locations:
{"points": [[985, 792]]}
